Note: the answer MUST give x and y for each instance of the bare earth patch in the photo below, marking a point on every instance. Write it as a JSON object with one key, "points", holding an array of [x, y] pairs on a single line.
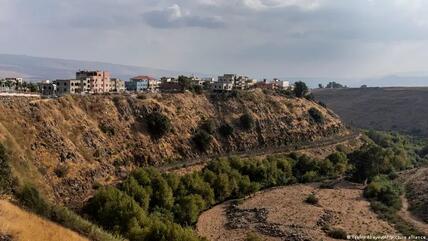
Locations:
{"points": [[19, 225], [283, 214]]}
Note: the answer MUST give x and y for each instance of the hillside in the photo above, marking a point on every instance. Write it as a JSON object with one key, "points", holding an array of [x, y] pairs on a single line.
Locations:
{"points": [[19, 225], [68, 146], [397, 109]]}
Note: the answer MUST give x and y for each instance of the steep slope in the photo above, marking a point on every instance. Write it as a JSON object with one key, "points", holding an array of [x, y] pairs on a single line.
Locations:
{"points": [[70, 145], [33, 228]]}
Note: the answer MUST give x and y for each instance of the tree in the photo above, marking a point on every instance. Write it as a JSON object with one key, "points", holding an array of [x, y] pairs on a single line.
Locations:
{"points": [[188, 208], [158, 124], [202, 140], [185, 81], [247, 121], [131, 187], [162, 194], [320, 86], [300, 89], [334, 85], [225, 130]]}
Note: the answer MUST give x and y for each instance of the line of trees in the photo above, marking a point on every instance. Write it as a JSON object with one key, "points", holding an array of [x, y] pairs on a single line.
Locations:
{"points": [[150, 202]]}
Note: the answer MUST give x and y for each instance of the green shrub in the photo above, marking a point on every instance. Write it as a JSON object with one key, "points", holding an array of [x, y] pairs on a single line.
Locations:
{"points": [[337, 233], [188, 208], [107, 129], [246, 121], [208, 125], [157, 124], [61, 171], [312, 199], [115, 210], [30, 197], [226, 130], [202, 140], [7, 182], [316, 115], [252, 237], [382, 189]]}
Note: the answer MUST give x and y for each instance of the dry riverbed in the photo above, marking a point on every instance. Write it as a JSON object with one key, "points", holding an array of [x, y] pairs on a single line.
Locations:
{"points": [[283, 214]]}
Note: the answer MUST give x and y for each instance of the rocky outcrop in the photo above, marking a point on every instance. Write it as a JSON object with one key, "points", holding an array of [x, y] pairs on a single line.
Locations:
{"points": [[99, 139]]}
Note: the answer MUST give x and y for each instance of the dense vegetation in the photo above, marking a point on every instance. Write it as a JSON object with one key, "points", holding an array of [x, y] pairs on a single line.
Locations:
{"points": [[377, 163], [6, 180], [149, 202], [29, 196]]}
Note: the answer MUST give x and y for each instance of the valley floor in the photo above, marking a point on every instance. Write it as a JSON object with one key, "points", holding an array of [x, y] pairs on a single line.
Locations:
{"points": [[283, 214]]}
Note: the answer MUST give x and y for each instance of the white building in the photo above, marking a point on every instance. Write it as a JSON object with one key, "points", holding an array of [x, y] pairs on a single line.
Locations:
{"points": [[282, 84]]}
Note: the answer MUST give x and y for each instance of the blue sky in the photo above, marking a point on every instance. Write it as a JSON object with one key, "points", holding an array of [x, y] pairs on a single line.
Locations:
{"points": [[283, 38]]}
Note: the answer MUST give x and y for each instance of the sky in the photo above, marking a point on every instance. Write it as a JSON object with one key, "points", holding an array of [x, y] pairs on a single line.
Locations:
{"points": [[274, 38]]}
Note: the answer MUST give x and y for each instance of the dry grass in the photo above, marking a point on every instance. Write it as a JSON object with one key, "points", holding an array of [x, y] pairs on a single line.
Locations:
{"points": [[25, 226], [287, 208]]}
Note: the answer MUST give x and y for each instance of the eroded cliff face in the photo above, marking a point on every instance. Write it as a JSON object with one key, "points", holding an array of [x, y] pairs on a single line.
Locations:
{"points": [[69, 145]]}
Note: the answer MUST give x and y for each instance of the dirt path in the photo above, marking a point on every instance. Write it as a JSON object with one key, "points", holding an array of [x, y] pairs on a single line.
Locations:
{"points": [[189, 166], [410, 218], [407, 177]]}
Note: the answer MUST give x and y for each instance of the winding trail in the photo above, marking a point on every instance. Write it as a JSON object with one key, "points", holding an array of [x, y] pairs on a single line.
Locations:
{"points": [[202, 162], [404, 213]]}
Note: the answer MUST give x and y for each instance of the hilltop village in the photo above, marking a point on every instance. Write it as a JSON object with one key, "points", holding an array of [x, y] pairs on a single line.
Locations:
{"points": [[100, 82]]}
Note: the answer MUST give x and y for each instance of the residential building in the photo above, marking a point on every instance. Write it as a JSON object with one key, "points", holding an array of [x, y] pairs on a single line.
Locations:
{"points": [[224, 83], [47, 88], [282, 84], [117, 85], [98, 81], [71, 86], [17, 81], [142, 83], [265, 85], [7, 86]]}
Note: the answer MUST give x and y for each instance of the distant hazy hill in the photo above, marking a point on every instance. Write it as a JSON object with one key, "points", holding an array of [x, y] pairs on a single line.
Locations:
{"points": [[36, 68], [397, 109]]}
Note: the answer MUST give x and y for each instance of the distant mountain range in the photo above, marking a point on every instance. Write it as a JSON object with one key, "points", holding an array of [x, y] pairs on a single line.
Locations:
{"points": [[39, 68]]}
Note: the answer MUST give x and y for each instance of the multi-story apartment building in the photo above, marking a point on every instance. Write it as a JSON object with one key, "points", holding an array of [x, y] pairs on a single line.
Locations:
{"points": [[142, 83], [99, 81], [47, 88], [71, 86], [117, 85]]}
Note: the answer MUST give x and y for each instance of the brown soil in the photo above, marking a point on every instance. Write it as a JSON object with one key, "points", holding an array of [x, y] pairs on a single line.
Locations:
{"points": [[415, 202], [101, 138], [288, 217]]}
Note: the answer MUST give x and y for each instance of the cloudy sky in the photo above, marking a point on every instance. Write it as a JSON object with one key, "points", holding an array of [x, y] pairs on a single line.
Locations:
{"points": [[284, 38]]}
